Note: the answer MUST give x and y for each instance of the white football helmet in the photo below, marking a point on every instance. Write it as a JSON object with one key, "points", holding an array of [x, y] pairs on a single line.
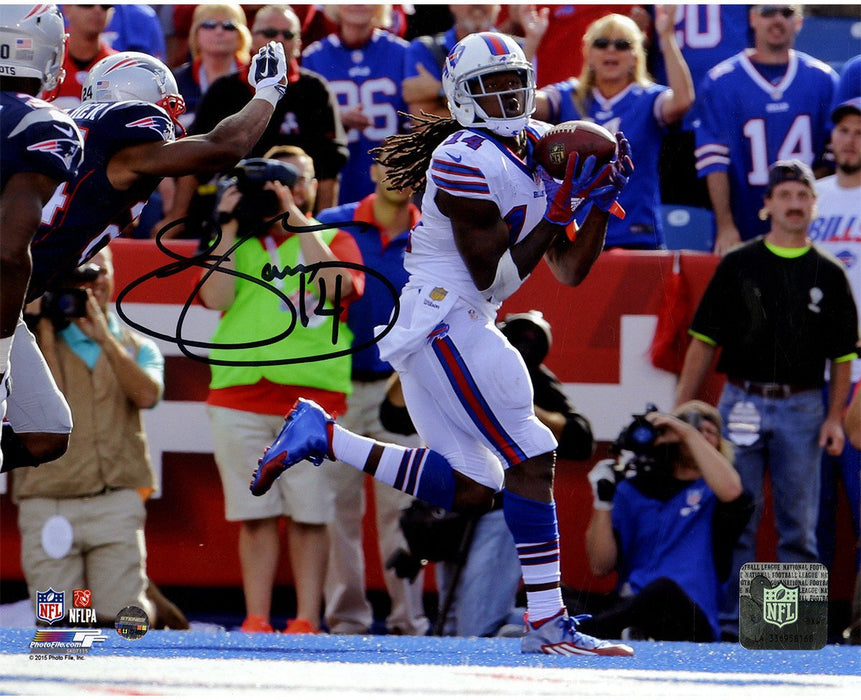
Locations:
{"points": [[474, 58], [130, 75], [32, 43]]}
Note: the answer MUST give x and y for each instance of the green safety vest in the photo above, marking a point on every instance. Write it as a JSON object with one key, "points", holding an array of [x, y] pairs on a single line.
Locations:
{"points": [[258, 313]]}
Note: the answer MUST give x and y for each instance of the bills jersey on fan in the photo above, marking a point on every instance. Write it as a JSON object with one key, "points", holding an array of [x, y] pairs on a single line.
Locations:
{"points": [[36, 137], [706, 34], [475, 165], [636, 111], [750, 120], [86, 213], [837, 229], [368, 77]]}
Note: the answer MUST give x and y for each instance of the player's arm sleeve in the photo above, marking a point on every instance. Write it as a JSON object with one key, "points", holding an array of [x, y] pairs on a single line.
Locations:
{"points": [[55, 147], [454, 172]]}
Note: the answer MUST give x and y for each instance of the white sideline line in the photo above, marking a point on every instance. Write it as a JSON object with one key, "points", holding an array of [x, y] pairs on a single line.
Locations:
{"points": [[187, 676]]}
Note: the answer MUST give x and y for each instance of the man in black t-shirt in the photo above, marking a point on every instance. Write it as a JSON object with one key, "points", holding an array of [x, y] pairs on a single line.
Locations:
{"points": [[307, 117], [779, 308]]}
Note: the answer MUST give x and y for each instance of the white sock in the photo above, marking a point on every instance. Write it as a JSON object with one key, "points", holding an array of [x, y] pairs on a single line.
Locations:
{"points": [[351, 448], [543, 604]]}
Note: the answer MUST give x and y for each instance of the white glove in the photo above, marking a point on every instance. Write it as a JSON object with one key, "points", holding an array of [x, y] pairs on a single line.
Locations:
{"points": [[267, 73], [603, 481]]}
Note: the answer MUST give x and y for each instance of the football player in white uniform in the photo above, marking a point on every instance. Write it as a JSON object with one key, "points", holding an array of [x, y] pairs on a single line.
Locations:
{"points": [[487, 220]]}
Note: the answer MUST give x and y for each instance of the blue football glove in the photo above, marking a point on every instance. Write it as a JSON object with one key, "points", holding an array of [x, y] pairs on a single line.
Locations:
{"points": [[604, 197], [565, 198], [267, 73]]}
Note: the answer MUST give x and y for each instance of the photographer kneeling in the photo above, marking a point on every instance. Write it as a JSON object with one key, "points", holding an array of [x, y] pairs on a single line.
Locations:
{"points": [[669, 528]]}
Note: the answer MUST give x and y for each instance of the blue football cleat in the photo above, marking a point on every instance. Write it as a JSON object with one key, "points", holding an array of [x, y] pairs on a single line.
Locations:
{"points": [[559, 635], [305, 435]]}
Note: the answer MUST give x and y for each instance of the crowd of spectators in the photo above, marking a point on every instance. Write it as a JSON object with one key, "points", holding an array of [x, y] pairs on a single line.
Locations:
{"points": [[730, 97]]}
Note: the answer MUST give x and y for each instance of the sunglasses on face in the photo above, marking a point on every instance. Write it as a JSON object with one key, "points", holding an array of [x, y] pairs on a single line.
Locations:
{"points": [[226, 25], [769, 11], [618, 44], [272, 33], [90, 7]]}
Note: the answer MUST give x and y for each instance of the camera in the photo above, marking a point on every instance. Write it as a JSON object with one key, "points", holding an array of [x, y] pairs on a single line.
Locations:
{"points": [[639, 436], [645, 460], [70, 303], [65, 301], [250, 177]]}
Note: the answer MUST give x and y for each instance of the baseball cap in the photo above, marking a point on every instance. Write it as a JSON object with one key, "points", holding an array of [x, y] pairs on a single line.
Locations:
{"points": [[852, 106], [789, 171]]}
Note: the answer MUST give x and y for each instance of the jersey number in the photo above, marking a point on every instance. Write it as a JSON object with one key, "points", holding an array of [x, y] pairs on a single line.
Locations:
{"points": [[374, 96], [695, 34], [798, 143], [58, 202]]}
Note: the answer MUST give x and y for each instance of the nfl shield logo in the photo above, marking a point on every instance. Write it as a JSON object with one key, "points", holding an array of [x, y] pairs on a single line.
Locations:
{"points": [[780, 605], [50, 605]]}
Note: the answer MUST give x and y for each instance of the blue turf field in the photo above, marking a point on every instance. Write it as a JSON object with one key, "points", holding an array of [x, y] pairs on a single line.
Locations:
{"points": [[168, 662]]}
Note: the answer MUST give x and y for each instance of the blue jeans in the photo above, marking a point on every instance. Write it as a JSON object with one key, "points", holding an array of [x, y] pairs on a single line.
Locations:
{"points": [[786, 443], [846, 468], [485, 594]]}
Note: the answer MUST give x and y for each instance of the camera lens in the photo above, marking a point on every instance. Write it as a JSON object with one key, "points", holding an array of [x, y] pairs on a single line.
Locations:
{"points": [[643, 434]]}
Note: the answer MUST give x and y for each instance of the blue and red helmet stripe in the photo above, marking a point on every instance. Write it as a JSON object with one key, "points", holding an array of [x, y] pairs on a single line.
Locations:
{"points": [[496, 45]]}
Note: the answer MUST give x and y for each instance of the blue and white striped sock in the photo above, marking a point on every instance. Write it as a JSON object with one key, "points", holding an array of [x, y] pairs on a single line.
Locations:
{"points": [[535, 530], [420, 472]]}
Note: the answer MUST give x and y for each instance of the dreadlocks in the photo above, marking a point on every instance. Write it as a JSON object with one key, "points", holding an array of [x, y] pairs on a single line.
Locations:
{"points": [[408, 156]]}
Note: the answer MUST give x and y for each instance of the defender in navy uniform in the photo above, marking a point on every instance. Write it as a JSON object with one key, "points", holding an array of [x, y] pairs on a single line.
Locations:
{"points": [[41, 147], [129, 116]]}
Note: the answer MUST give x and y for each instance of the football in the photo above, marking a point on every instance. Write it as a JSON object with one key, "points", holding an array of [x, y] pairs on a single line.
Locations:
{"points": [[581, 137]]}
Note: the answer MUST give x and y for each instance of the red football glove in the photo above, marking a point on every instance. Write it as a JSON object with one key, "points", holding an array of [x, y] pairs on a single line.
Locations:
{"points": [[604, 197], [565, 197]]}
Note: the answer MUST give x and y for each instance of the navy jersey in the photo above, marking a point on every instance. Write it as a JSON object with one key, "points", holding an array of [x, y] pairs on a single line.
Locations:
{"points": [[86, 213], [749, 120], [37, 138], [369, 76]]}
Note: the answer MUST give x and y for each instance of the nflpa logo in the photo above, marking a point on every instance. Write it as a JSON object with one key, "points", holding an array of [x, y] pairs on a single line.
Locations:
{"points": [[82, 597]]}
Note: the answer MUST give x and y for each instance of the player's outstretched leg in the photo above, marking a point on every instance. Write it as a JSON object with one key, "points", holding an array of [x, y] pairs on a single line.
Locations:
{"points": [[305, 435], [311, 433], [559, 635]]}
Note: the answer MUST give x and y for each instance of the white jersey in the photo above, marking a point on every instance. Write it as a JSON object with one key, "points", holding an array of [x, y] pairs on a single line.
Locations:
{"points": [[467, 389], [837, 229], [473, 164]]}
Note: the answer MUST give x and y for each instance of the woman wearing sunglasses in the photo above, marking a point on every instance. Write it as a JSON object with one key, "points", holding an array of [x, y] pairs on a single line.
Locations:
{"points": [[219, 42], [615, 90]]}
